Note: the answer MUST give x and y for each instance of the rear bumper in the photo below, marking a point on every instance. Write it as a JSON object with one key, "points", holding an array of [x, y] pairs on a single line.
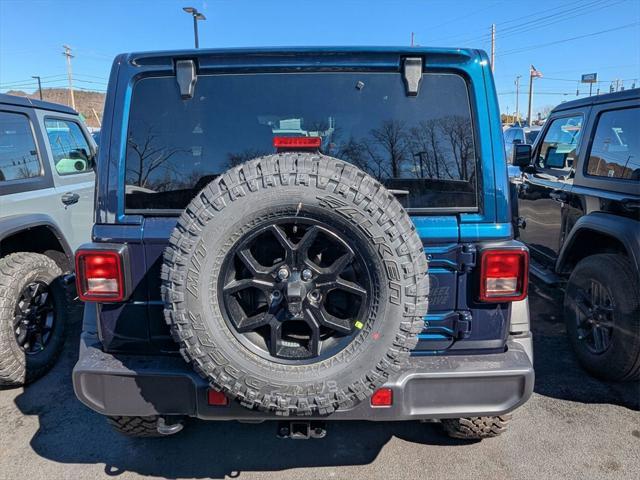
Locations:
{"points": [[429, 388]]}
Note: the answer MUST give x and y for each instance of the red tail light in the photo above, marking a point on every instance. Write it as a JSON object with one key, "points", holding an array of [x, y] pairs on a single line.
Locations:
{"points": [[383, 397], [504, 275], [296, 143], [216, 398], [99, 276]]}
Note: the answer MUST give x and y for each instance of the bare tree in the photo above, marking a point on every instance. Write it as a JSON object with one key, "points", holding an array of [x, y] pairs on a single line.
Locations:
{"points": [[426, 143], [235, 159], [148, 158], [392, 137], [457, 130]]}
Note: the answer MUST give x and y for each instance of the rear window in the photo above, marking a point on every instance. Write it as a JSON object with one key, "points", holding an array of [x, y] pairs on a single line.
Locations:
{"points": [[420, 147]]}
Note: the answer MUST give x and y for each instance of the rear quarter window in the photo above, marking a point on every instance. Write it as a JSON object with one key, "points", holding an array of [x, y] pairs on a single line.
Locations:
{"points": [[615, 150], [423, 148], [18, 152]]}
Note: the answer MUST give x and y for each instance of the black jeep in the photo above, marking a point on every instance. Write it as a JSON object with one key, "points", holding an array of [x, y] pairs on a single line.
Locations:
{"points": [[579, 213], [264, 219]]}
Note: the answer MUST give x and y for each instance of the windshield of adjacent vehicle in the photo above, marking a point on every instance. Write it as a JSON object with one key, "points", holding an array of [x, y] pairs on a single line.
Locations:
{"points": [[422, 147]]}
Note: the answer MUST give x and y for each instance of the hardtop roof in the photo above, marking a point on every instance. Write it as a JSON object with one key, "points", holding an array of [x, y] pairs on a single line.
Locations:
{"points": [[6, 99], [599, 99]]}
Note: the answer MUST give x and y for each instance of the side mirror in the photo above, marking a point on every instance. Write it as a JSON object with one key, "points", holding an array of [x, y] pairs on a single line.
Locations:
{"points": [[521, 155]]}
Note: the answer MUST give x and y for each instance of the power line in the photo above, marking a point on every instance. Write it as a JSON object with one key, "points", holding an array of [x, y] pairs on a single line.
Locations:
{"points": [[500, 24], [578, 80], [27, 80], [558, 20], [593, 34], [542, 22], [101, 90], [456, 19], [562, 16], [522, 17]]}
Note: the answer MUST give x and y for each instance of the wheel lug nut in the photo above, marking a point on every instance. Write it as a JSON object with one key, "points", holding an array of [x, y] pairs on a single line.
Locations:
{"points": [[283, 273], [306, 274], [314, 295]]}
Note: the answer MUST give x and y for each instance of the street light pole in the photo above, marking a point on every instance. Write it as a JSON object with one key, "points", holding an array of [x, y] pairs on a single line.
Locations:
{"points": [[518, 98], [196, 16], [195, 31]]}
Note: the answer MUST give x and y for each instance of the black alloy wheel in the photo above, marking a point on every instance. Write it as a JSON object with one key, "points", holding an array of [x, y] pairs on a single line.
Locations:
{"points": [[34, 318], [595, 316], [295, 290]]}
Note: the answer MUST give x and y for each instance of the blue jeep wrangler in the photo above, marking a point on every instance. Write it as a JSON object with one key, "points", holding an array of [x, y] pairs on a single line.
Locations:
{"points": [[264, 222]]}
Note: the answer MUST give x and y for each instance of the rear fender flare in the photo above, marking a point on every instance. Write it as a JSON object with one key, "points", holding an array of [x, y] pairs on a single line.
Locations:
{"points": [[17, 223], [625, 230]]}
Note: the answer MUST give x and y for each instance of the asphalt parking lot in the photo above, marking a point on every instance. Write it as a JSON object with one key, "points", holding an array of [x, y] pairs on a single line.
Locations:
{"points": [[573, 427]]}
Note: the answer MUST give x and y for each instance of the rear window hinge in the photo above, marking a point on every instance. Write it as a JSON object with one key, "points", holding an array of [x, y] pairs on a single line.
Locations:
{"points": [[466, 257], [186, 77], [412, 74]]}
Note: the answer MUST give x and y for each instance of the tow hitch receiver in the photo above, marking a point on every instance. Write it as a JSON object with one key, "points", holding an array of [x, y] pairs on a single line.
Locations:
{"points": [[298, 430]]}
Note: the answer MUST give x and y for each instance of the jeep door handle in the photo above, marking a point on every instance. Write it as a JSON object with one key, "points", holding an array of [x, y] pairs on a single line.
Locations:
{"points": [[70, 198], [559, 196]]}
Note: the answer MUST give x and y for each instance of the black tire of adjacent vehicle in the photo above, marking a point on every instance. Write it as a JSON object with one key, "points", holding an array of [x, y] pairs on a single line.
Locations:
{"points": [[16, 271], [256, 193], [476, 428], [621, 360]]}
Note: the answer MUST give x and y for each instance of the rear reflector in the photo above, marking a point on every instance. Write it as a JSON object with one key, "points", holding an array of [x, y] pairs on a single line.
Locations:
{"points": [[383, 397], [295, 143], [99, 276], [217, 399], [504, 274]]}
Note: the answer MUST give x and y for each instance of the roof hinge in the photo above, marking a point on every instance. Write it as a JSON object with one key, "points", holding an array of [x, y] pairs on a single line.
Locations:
{"points": [[412, 75], [186, 77]]}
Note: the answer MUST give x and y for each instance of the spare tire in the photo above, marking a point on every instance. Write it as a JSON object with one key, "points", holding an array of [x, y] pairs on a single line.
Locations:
{"points": [[295, 283]]}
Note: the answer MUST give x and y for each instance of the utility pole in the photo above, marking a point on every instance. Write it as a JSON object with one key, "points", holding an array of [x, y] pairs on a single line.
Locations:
{"points": [[95, 114], [39, 85], [412, 39], [518, 98], [493, 46], [67, 53]]}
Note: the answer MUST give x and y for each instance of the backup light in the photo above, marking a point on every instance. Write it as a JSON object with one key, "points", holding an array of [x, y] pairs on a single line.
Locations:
{"points": [[383, 397], [297, 143], [504, 274], [99, 276]]}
